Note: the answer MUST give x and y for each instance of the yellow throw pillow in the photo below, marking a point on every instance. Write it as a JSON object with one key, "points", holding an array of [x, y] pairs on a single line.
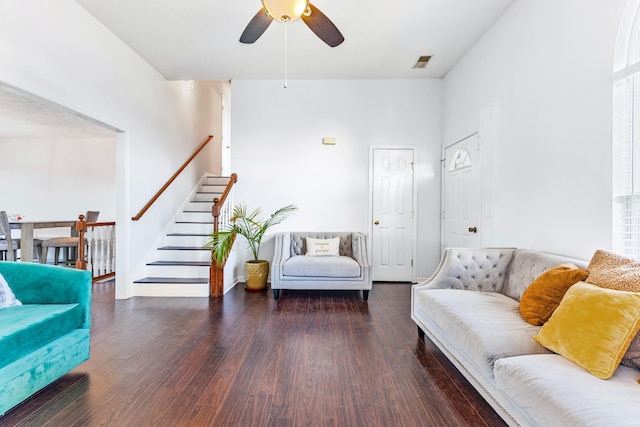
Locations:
{"points": [[544, 294], [592, 327]]}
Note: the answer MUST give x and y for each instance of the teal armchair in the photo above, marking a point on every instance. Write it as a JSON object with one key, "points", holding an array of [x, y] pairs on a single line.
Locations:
{"points": [[49, 334]]}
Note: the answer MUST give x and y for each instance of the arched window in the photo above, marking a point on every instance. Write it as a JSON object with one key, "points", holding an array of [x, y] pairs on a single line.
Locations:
{"points": [[626, 133], [460, 160]]}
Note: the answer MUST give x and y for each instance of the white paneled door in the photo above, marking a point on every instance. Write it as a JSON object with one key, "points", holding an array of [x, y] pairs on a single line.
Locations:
{"points": [[225, 143], [393, 229], [461, 194]]}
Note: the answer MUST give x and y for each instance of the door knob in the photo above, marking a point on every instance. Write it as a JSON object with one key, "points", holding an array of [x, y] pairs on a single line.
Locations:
{"points": [[376, 222], [473, 230]]}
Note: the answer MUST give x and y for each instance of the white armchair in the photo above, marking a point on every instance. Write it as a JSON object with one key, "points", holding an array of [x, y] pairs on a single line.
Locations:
{"points": [[292, 269]]}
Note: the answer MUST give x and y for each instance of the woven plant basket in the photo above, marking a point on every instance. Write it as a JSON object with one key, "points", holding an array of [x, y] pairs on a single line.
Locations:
{"points": [[256, 273]]}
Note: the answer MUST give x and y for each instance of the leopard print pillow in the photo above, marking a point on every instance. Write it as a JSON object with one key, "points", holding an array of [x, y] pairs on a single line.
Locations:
{"points": [[613, 271]]}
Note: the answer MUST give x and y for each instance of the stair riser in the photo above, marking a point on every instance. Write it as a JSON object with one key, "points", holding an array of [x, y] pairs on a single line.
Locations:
{"points": [[171, 290], [193, 228], [213, 188], [199, 206], [202, 216], [178, 255], [174, 271], [190, 241], [216, 180], [207, 197]]}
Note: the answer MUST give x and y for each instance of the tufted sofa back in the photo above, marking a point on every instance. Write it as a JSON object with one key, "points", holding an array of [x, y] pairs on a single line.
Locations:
{"points": [[299, 241], [476, 269], [506, 270], [528, 264]]}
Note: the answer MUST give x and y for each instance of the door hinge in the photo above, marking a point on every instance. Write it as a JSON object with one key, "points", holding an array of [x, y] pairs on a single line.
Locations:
{"points": [[412, 166], [411, 263]]}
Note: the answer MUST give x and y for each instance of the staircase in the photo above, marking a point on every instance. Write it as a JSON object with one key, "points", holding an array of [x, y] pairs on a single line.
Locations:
{"points": [[182, 265]]}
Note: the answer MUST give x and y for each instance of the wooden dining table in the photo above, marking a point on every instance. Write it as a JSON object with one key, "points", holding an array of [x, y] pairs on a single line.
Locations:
{"points": [[26, 227]]}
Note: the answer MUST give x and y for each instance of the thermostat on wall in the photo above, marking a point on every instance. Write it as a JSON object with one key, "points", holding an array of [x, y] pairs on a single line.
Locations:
{"points": [[329, 140]]}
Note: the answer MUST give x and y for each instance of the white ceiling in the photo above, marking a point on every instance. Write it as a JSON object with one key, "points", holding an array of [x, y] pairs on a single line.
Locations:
{"points": [[198, 39], [23, 115]]}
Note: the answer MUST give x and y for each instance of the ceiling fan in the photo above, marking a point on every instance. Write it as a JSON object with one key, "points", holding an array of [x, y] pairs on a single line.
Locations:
{"points": [[288, 11]]}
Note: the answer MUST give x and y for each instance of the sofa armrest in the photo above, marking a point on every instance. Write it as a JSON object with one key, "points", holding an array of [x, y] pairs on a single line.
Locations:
{"points": [[46, 284], [359, 249], [282, 252], [476, 269], [360, 254]]}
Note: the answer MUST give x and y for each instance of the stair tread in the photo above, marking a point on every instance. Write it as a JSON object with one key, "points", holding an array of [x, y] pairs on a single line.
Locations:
{"points": [[181, 263], [184, 248], [194, 222], [208, 211], [176, 280]]}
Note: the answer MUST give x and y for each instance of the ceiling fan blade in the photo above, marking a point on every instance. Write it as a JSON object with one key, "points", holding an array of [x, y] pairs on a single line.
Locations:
{"points": [[256, 27], [323, 27]]}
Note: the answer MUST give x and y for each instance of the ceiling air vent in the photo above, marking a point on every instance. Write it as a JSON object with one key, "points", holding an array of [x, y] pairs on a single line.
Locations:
{"points": [[422, 62]]}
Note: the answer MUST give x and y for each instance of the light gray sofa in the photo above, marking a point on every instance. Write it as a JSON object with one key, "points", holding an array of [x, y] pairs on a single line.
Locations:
{"points": [[292, 269], [470, 309]]}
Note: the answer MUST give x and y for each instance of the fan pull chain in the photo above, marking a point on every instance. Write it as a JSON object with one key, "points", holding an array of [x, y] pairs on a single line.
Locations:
{"points": [[285, 54]]}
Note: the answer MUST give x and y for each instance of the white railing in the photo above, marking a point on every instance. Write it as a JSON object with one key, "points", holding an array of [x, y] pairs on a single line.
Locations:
{"points": [[222, 210], [98, 254], [226, 211]]}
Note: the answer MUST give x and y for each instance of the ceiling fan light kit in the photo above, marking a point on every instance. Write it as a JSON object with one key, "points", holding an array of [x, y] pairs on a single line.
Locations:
{"points": [[286, 11]]}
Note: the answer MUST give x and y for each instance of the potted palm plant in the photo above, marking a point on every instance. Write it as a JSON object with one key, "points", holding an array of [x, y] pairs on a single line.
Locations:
{"points": [[252, 228]]}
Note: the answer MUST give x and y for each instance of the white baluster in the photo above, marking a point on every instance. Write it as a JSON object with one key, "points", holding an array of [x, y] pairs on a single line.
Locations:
{"points": [[112, 241]]}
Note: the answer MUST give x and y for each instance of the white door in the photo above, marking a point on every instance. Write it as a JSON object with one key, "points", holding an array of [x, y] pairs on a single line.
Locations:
{"points": [[393, 229], [461, 194], [225, 147]]}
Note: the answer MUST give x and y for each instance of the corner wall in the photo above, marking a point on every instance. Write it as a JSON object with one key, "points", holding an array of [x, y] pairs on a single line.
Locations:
{"points": [[58, 51], [58, 178], [544, 70], [279, 157]]}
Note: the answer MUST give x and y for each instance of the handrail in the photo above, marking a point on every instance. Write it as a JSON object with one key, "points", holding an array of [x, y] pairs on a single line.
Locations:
{"points": [[217, 203], [100, 224], [175, 175], [216, 272]]}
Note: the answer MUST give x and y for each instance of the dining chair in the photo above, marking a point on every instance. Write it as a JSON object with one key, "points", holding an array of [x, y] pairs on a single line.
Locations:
{"points": [[65, 243], [8, 245]]}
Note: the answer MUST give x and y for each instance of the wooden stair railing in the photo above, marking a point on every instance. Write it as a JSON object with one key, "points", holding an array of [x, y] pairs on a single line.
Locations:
{"points": [[175, 175], [96, 244], [216, 272]]}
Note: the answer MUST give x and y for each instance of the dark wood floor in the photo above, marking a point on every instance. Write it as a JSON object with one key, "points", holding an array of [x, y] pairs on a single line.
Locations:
{"points": [[311, 359]]}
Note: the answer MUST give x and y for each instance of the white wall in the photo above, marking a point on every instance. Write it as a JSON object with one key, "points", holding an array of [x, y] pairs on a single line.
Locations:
{"points": [[58, 178], [278, 155], [58, 51], [545, 68]]}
